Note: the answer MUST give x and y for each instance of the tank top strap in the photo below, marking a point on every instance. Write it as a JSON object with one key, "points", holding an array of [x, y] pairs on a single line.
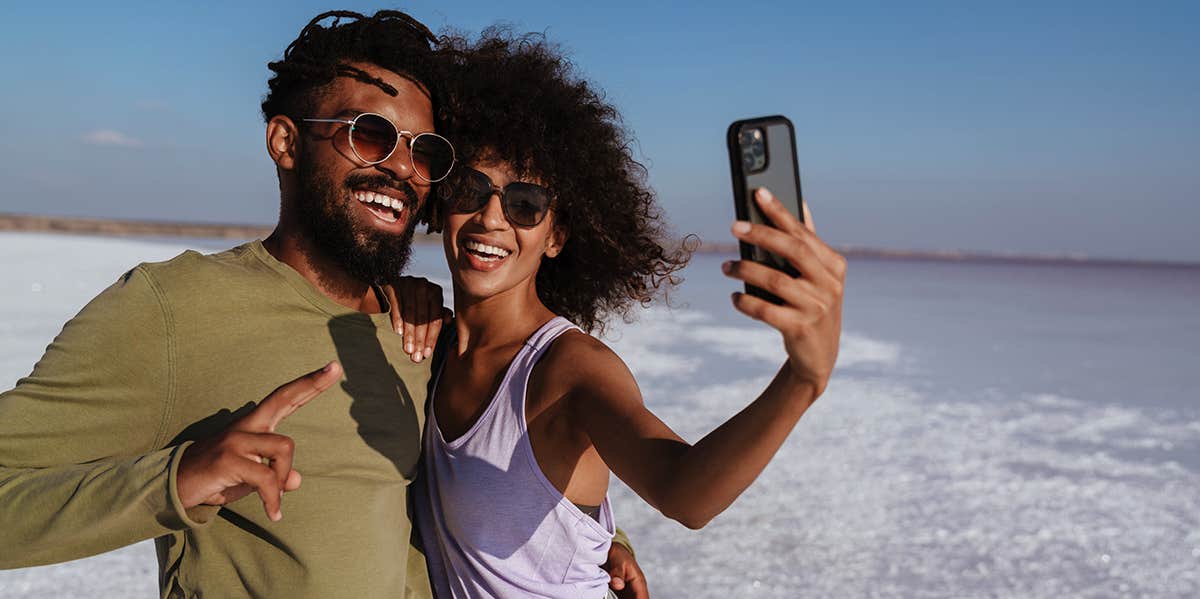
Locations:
{"points": [[540, 341], [516, 380]]}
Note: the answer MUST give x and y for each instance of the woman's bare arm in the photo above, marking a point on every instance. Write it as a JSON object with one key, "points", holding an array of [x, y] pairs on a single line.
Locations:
{"points": [[694, 483]]}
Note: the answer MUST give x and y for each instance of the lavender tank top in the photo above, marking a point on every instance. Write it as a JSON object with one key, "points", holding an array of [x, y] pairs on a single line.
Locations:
{"points": [[491, 523]]}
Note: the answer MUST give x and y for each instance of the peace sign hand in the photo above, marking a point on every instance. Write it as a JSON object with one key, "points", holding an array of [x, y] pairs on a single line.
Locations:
{"points": [[249, 456]]}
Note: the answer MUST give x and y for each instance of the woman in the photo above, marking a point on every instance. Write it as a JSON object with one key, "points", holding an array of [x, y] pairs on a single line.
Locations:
{"points": [[548, 229]]}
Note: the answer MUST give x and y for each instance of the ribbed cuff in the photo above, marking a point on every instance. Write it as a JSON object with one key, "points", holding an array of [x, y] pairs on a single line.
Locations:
{"points": [[177, 517]]}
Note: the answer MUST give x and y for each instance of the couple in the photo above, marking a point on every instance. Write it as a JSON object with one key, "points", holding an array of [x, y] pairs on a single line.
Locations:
{"points": [[152, 414]]}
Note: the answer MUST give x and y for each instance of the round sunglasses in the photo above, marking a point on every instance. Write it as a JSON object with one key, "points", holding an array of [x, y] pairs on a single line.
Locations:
{"points": [[374, 138], [524, 204]]}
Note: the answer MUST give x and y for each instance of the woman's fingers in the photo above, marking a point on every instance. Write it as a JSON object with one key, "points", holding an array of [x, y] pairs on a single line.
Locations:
{"points": [[421, 330], [789, 246], [397, 322], [796, 292], [776, 212], [805, 232]]}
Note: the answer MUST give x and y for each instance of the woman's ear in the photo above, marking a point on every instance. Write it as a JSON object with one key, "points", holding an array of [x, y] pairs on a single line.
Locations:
{"points": [[556, 240], [283, 139]]}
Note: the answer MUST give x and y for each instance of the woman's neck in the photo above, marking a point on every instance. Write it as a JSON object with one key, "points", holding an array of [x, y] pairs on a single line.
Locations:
{"points": [[507, 317]]}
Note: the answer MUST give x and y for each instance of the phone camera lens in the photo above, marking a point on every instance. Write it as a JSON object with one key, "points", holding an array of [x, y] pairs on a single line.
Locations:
{"points": [[748, 160], [754, 149]]}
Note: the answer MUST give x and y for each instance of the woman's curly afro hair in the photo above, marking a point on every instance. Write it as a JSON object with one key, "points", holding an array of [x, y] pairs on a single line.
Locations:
{"points": [[518, 99]]}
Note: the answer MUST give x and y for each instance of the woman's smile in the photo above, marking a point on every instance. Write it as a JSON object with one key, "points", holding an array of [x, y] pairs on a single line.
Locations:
{"points": [[483, 255]]}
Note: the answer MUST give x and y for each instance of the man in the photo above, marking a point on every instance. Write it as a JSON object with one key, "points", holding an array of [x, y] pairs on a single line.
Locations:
{"points": [[144, 420]]}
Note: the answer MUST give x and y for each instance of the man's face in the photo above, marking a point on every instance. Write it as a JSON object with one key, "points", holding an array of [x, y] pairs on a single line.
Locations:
{"points": [[349, 209]]}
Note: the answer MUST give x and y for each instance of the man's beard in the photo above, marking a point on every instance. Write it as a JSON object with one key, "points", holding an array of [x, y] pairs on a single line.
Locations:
{"points": [[325, 213]]}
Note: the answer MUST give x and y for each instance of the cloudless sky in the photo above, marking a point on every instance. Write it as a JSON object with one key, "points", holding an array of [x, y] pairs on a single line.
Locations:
{"points": [[1038, 127]]}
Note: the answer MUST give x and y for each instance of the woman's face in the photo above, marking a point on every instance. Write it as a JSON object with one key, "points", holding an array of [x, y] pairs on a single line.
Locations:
{"points": [[487, 254]]}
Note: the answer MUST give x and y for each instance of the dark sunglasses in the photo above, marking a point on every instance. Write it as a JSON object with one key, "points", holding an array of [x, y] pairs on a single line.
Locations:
{"points": [[524, 204], [374, 138]]}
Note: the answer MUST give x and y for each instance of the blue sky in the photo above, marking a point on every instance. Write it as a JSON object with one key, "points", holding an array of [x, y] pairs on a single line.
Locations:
{"points": [[1030, 127]]}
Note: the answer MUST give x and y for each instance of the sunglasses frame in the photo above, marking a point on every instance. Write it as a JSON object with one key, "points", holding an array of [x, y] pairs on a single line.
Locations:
{"points": [[494, 189], [409, 138]]}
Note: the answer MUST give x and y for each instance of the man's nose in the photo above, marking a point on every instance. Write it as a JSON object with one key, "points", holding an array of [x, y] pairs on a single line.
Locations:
{"points": [[399, 165]]}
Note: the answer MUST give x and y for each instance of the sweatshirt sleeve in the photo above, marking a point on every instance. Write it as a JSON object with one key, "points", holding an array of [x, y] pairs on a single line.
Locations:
{"points": [[622, 539], [84, 467]]}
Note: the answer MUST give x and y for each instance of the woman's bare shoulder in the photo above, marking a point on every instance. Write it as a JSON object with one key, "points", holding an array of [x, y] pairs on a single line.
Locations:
{"points": [[581, 361]]}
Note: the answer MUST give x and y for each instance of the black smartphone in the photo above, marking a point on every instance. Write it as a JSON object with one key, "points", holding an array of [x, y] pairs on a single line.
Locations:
{"points": [[762, 153]]}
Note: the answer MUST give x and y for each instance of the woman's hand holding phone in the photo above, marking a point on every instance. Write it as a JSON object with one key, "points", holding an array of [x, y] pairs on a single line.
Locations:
{"points": [[810, 315]]}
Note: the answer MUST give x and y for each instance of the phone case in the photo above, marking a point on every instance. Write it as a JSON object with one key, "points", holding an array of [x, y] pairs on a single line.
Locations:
{"points": [[780, 174]]}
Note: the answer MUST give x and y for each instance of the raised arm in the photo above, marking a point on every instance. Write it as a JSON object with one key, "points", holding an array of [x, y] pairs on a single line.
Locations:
{"points": [[84, 466], [694, 483], [85, 460]]}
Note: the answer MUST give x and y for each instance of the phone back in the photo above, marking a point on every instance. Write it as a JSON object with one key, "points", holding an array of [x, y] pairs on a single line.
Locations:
{"points": [[762, 153]]}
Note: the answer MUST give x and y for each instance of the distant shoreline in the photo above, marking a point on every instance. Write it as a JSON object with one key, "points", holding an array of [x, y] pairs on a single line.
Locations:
{"points": [[28, 223]]}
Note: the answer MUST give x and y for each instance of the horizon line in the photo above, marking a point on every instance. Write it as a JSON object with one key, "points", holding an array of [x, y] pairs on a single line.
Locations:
{"points": [[110, 227]]}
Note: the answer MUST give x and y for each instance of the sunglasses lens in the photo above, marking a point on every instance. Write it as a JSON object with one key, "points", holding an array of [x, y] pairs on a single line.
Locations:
{"points": [[469, 191], [432, 156], [373, 137], [525, 204]]}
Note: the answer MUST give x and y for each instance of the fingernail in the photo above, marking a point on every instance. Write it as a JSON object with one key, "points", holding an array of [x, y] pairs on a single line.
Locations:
{"points": [[741, 227], [277, 516], [428, 352], [327, 367], [727, 267], [765, 196], [408, 347]]}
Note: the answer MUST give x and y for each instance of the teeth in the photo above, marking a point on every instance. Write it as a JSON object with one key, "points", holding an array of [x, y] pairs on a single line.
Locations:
{"points": [[484, 248], [370, 197]]}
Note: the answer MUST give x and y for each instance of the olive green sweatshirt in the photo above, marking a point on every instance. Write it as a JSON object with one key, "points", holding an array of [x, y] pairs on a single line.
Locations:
{"points": [[175, 351]]}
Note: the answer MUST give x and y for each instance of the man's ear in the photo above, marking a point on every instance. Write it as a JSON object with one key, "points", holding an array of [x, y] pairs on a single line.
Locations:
{"points": [[283, 140]]}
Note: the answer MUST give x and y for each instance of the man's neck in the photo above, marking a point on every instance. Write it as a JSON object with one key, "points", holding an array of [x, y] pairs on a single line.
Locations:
{"points": [[323, 273]]}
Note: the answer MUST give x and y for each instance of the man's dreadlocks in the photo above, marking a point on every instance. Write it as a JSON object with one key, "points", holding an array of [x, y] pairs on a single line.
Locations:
{"points": [[389, 39]]}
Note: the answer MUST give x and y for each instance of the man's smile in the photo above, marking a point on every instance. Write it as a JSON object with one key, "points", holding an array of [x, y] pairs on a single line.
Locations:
{"points": [[384, 207]]}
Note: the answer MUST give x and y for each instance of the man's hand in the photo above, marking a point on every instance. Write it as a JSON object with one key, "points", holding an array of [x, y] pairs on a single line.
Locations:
{"points": [[249, 457], [418, 313], [810, 317], [627, 577]]}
